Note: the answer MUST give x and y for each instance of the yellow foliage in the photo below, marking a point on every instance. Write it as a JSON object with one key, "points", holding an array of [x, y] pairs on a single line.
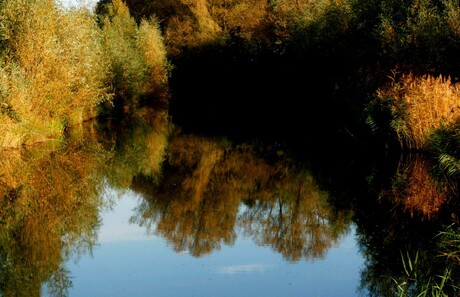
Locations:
{"points": [[154, 51]]}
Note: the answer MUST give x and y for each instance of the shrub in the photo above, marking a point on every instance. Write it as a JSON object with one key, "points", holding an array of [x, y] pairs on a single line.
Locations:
{"points": [[52, 72], [137, 55], [154, 51], [420, 35]]}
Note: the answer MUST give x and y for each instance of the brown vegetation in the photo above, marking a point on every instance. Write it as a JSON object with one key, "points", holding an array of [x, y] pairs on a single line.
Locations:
{"points": [[420, 105], [57, 66], [415, 189]]}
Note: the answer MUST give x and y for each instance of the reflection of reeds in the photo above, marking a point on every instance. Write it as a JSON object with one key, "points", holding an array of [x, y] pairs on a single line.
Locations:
{"points": [[423, 195], [416, 189]]}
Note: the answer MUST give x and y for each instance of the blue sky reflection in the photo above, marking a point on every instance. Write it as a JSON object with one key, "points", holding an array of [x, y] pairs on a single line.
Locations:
{"points": [[130, 262]]}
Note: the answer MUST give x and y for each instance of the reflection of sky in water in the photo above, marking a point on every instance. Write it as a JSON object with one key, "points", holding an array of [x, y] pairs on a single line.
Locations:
{"points": [[128, 262], [115, 223]]}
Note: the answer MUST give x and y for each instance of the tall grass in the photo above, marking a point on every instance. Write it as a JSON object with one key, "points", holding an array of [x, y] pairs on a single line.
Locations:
{"points": [[52, 71], [419, 106], [450, 243], [416, 284]]}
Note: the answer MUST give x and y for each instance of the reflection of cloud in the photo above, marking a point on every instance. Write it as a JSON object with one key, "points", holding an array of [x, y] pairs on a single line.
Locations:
{"points": [[248, 268]]}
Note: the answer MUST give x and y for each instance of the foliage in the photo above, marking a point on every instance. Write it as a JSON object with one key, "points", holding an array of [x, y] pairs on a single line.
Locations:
{"points": [[57, 66], [449, 243], [414, 283], [347, 47], [136, 55], [195, 206], [418, 282], [52, 71], [416, 190], [445, 143], [50, 202]]}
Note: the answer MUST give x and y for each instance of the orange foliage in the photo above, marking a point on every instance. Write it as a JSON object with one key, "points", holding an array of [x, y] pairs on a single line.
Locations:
{"points": [[421, 105], [423, 195], [417, 191]]}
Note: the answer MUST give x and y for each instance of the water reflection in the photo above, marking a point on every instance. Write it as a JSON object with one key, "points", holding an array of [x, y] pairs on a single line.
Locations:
{"points": [[138, 146], [49, 210], [400, 221], [195, 205], [200, 194], [415, 188]]}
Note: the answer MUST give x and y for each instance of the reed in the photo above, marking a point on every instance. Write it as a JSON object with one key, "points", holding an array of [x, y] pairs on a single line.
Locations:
{"points": [[419, 106], [415, 283]]}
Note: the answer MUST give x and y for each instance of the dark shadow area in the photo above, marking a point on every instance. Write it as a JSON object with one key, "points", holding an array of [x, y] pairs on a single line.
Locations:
{"points": [[308, 101], [244, 96]]}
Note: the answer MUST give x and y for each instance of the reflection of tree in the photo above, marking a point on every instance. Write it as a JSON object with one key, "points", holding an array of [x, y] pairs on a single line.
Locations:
{"points": [[49, 203], [50, 197], [195, 206], [187, 205], [139, 143], [295, 219]]}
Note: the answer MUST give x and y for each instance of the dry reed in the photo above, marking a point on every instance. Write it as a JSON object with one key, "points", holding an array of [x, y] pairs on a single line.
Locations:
{"points": [[421, 105]]}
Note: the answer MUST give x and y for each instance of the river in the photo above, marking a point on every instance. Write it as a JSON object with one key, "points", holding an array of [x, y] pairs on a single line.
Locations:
{"points": [[146, 208]]}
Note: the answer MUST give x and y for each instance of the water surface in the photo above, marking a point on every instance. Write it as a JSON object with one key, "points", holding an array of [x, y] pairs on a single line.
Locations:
{"points": [[150, 210], [128, 261]]}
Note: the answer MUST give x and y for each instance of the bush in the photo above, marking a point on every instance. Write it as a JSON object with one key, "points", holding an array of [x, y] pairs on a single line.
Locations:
{"points": [[137, 55], [52, 71]]}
